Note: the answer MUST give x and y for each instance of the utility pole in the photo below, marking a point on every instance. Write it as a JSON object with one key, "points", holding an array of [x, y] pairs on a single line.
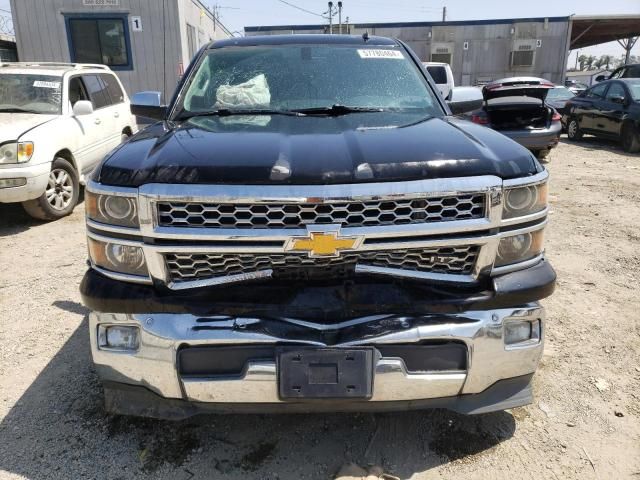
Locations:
{"points": [[444, 14], [330, 18], [340, 17]]}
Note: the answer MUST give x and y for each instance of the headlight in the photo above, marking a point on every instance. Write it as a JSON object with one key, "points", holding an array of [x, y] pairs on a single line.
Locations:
{"points": [[16, 152], [117, 257], [519, 248], [112, 209], [525, 200]]}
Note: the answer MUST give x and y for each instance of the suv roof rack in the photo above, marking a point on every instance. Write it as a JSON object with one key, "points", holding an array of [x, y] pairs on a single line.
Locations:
{"points": [[75, 66]]}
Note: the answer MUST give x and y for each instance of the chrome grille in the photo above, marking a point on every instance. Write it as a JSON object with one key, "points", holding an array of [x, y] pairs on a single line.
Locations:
{"points": [[298, 215], [199, 266]]}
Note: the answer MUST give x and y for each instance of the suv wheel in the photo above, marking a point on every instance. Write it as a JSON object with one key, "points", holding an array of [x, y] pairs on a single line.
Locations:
{"points": [[573, 130], [60, 196], [630, 141]]}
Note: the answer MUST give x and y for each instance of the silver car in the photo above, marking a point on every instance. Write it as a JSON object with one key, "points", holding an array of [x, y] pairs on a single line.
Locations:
{"points": [[516, 107]]}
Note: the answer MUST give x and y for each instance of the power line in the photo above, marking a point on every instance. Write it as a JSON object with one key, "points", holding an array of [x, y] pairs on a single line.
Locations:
{"points": [[301, 9]]}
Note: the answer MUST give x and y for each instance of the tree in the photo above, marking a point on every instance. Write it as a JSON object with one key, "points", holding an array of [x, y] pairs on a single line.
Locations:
{"points": [[589, 61], [605, 60], [582, 60]]}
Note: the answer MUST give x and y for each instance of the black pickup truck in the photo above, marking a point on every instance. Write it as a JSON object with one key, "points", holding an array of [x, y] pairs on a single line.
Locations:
{"points": [[308, 228]]}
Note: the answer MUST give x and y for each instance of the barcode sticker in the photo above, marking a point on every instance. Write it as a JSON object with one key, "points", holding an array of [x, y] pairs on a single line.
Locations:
{"points": [[379, 53], [42, 84]]}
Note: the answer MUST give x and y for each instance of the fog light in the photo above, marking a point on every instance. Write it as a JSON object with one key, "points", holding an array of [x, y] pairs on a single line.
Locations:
{"points": [[518, 332], [118, 337], [12, 182]]}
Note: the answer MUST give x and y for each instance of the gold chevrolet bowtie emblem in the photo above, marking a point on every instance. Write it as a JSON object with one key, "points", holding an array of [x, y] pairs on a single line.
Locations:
{"points": [[323, 244]]}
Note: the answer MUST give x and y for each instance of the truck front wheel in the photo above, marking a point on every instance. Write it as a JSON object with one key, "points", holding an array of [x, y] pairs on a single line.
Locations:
{"points": [[60, 196]]}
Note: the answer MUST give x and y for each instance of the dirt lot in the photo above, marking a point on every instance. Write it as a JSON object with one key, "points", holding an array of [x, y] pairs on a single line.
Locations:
{"points": [[585, 422]]}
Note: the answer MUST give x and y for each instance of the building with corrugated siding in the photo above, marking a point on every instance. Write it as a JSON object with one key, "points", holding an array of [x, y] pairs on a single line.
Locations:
{"points": [[478, 51], [8, 52], [148, 43]]}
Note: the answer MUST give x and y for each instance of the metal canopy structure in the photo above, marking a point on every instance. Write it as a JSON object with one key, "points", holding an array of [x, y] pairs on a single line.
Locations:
{"points": [[592, 30]]}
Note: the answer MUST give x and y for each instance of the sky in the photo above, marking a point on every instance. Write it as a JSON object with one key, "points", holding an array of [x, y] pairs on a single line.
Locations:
{"points": [[236, 14]]}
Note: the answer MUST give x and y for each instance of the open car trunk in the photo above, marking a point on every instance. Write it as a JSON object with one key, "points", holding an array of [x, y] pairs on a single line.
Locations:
{"points": [[505, 115], [517, 103]]}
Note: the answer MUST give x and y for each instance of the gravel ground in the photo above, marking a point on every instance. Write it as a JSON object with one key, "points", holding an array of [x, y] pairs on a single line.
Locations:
{"points": [[585, 422]]}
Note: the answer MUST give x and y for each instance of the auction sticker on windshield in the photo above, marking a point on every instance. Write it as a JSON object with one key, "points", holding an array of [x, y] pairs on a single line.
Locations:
{"points": [[379, 53], [42, 84]]}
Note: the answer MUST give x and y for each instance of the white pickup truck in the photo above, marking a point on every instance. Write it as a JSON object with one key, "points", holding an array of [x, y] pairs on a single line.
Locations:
{"points": [[442, 77], [57, 121]]}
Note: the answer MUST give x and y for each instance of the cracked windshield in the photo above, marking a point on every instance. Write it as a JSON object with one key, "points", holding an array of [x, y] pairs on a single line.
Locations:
{"points": [[30, 93], [302, 77]]}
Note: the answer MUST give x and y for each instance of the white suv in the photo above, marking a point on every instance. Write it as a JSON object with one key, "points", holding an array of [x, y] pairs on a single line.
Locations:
{"points": [[57, 122]]}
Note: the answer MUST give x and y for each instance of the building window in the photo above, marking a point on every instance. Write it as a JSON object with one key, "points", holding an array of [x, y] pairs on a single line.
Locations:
{"points": [[522, 58], [100, 39], [441, 57]]}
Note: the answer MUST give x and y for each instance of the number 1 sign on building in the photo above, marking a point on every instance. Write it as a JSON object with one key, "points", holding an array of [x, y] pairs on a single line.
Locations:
{"points": [[136, 23]]}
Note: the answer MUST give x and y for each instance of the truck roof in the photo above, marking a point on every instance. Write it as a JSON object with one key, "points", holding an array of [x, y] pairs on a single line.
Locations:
{"points": [[307, 39]]}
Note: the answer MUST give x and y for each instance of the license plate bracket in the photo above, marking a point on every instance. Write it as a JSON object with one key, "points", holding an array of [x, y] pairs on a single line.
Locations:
{"points": [[325, 373]]}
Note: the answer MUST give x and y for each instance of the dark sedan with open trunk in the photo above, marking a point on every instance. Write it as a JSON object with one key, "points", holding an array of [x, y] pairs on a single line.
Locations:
{"points": [[516, 107]]}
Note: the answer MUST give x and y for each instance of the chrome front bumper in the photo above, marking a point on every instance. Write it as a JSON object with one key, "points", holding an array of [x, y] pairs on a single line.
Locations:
{"points": [[154, 364]]}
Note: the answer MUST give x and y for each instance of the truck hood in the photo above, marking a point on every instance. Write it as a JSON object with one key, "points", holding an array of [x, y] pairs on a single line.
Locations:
{"points": [[355, 148], [13, 125]]}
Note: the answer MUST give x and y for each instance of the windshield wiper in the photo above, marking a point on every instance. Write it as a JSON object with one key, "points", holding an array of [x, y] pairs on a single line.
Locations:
{"points": [[338, 109], [227, 112], [17, 110]]}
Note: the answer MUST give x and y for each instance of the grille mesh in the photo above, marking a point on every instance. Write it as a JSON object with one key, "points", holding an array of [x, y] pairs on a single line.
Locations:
{"points": [[297, 215], [448, 260]]}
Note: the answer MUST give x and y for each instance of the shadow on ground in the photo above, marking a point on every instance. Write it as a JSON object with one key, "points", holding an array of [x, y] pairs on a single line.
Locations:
{"points": [[14, 219], [58, 429], [597, 143]]}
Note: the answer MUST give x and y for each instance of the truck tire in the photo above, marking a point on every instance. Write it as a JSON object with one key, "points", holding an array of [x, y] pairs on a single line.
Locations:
{"points": [[630, 140], [61, 195], [573, 129]]}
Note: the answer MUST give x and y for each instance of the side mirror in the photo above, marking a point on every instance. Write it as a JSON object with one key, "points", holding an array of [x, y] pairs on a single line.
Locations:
{"points": [[600, 78], [465, 106], [82, 107], [465, 99], [148, 104], [618, 99]]}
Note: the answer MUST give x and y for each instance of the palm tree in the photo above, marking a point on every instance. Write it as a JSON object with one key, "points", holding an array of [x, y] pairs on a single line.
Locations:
{"points": [[582, 59], [605, 60], [589, 61]]}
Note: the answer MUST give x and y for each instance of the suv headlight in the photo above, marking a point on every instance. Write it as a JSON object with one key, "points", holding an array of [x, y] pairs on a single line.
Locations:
{"points": [[16, 152], [524, 200], [519, 248], [112, 209], [117, 257]]}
